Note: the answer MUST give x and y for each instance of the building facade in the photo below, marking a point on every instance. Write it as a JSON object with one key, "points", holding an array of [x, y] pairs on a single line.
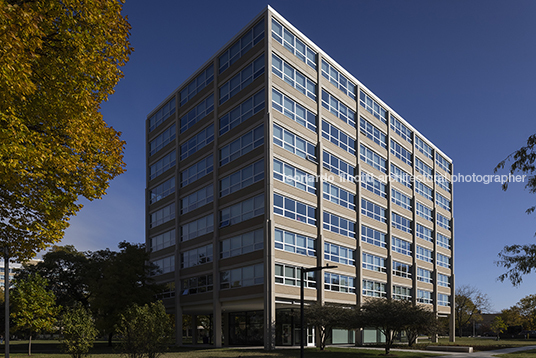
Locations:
{"points": [[272, 157]]}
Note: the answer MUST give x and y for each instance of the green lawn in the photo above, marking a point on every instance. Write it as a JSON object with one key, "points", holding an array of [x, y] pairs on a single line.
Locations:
{"points": [[482, 344], [525, 354]]}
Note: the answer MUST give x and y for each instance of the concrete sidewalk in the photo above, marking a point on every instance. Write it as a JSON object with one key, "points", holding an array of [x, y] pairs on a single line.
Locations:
{"points": [[485, 354]]}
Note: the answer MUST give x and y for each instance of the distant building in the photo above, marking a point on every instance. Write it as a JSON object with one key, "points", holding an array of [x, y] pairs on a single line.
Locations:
{"points": [[253, 171], [12, 267]]}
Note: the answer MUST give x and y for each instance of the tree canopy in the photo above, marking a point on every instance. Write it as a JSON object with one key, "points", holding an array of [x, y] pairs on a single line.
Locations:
{"points": [[58, 61], [470, 302], [520, 260], [325, 318]]}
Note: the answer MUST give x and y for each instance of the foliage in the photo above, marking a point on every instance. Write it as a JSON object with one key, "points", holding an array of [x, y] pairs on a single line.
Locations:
{"points": [[325, 318], [469, 304], [33, 307], [512, 316], [520, 260], [527, 310], [117, 280], [59, 60], [498, 326], [419, 319], [65, 268], [79, 332], [145, 331]]}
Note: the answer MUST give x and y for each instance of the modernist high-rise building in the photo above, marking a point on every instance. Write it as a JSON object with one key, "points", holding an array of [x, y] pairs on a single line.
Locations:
{"points": [[273, 157]]}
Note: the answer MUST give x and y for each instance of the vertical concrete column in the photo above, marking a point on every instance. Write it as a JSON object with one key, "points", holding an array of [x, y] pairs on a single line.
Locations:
{"points": [[225, 319], [178, 325], [216, 323], [194, 329]]}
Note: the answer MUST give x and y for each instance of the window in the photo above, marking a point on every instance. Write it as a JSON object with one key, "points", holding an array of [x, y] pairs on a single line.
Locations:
{"points": [[242, 244], [293, 44], [423, 190], [242, 112], [443, 241], [442, 202], [293, 110], [338, 166], [443, 261], [163, 240], [374, 289], [401, 293], [168, 291], [240, 47], [339, 283], [338, 137], [424, 233], [338, 196], [338, 225], [242, 178], [199, 112], [424, 169], [195, 257], [162, 114], [204, 137], [423, 147], [424, 212], [294, 210], [443, 280], [162, 140], [162, 216], [401, 269], [162, 165], [370, 131], [442, 182], [294, 144], [340, 254], [424, 297], [199, 284], [242, 79], [442, 163], [197, 170], [400, 199], [372, 236], [443, 222], [293, 176], [197, 228], [197, 84], [373, 263], [373, 211], [372, 158], [401, 129], [424, 254], [165, 265], [338, 80], [293, 77], [242, 277], [339, 109], [198, 199], [291, 275], [401, 176], [443, 300], [401, 223], [401, 246], [369, 182], [424, 275], [242, 211], [242, 145], [372, 107], [162, 190], [291, 242], [401, 153]]}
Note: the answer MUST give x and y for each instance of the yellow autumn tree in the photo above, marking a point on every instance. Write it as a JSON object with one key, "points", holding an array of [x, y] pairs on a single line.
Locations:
{"points": [[58, 61]]}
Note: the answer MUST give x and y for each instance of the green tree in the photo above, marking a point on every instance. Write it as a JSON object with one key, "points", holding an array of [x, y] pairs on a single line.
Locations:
{"points": [[325, 318], [512, 316], [469, 304], [498, 326], [527, 310], [520, 260], [78, 330], [116, 280], [145, 331], [419, 319], [59, 61], [33, 307]]}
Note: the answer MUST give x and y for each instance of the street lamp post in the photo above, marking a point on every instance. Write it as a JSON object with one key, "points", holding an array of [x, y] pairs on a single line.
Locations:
{"points": [[303, 271], [6, 291]]}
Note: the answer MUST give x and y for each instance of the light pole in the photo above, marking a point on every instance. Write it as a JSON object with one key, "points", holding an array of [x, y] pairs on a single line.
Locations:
{"points": [[303, 271], [6, 291]]}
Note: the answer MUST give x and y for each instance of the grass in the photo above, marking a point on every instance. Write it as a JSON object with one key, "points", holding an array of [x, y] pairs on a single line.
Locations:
{"points": [[482, 344], [523, 354]]}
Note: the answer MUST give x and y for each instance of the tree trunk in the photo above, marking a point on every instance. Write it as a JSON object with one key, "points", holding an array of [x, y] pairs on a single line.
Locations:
{"points": [[30, 345], [110, 335]]}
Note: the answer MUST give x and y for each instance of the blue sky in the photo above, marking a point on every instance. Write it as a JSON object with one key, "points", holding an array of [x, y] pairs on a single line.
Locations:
{"points": [[461, 72]]}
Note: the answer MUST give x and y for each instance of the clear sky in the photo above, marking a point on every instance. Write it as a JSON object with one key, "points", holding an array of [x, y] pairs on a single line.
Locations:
{"points": [[462, 72]]}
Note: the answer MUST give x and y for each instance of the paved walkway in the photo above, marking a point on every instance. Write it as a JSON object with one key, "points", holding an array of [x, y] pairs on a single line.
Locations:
{"points": [[483, 354]]}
